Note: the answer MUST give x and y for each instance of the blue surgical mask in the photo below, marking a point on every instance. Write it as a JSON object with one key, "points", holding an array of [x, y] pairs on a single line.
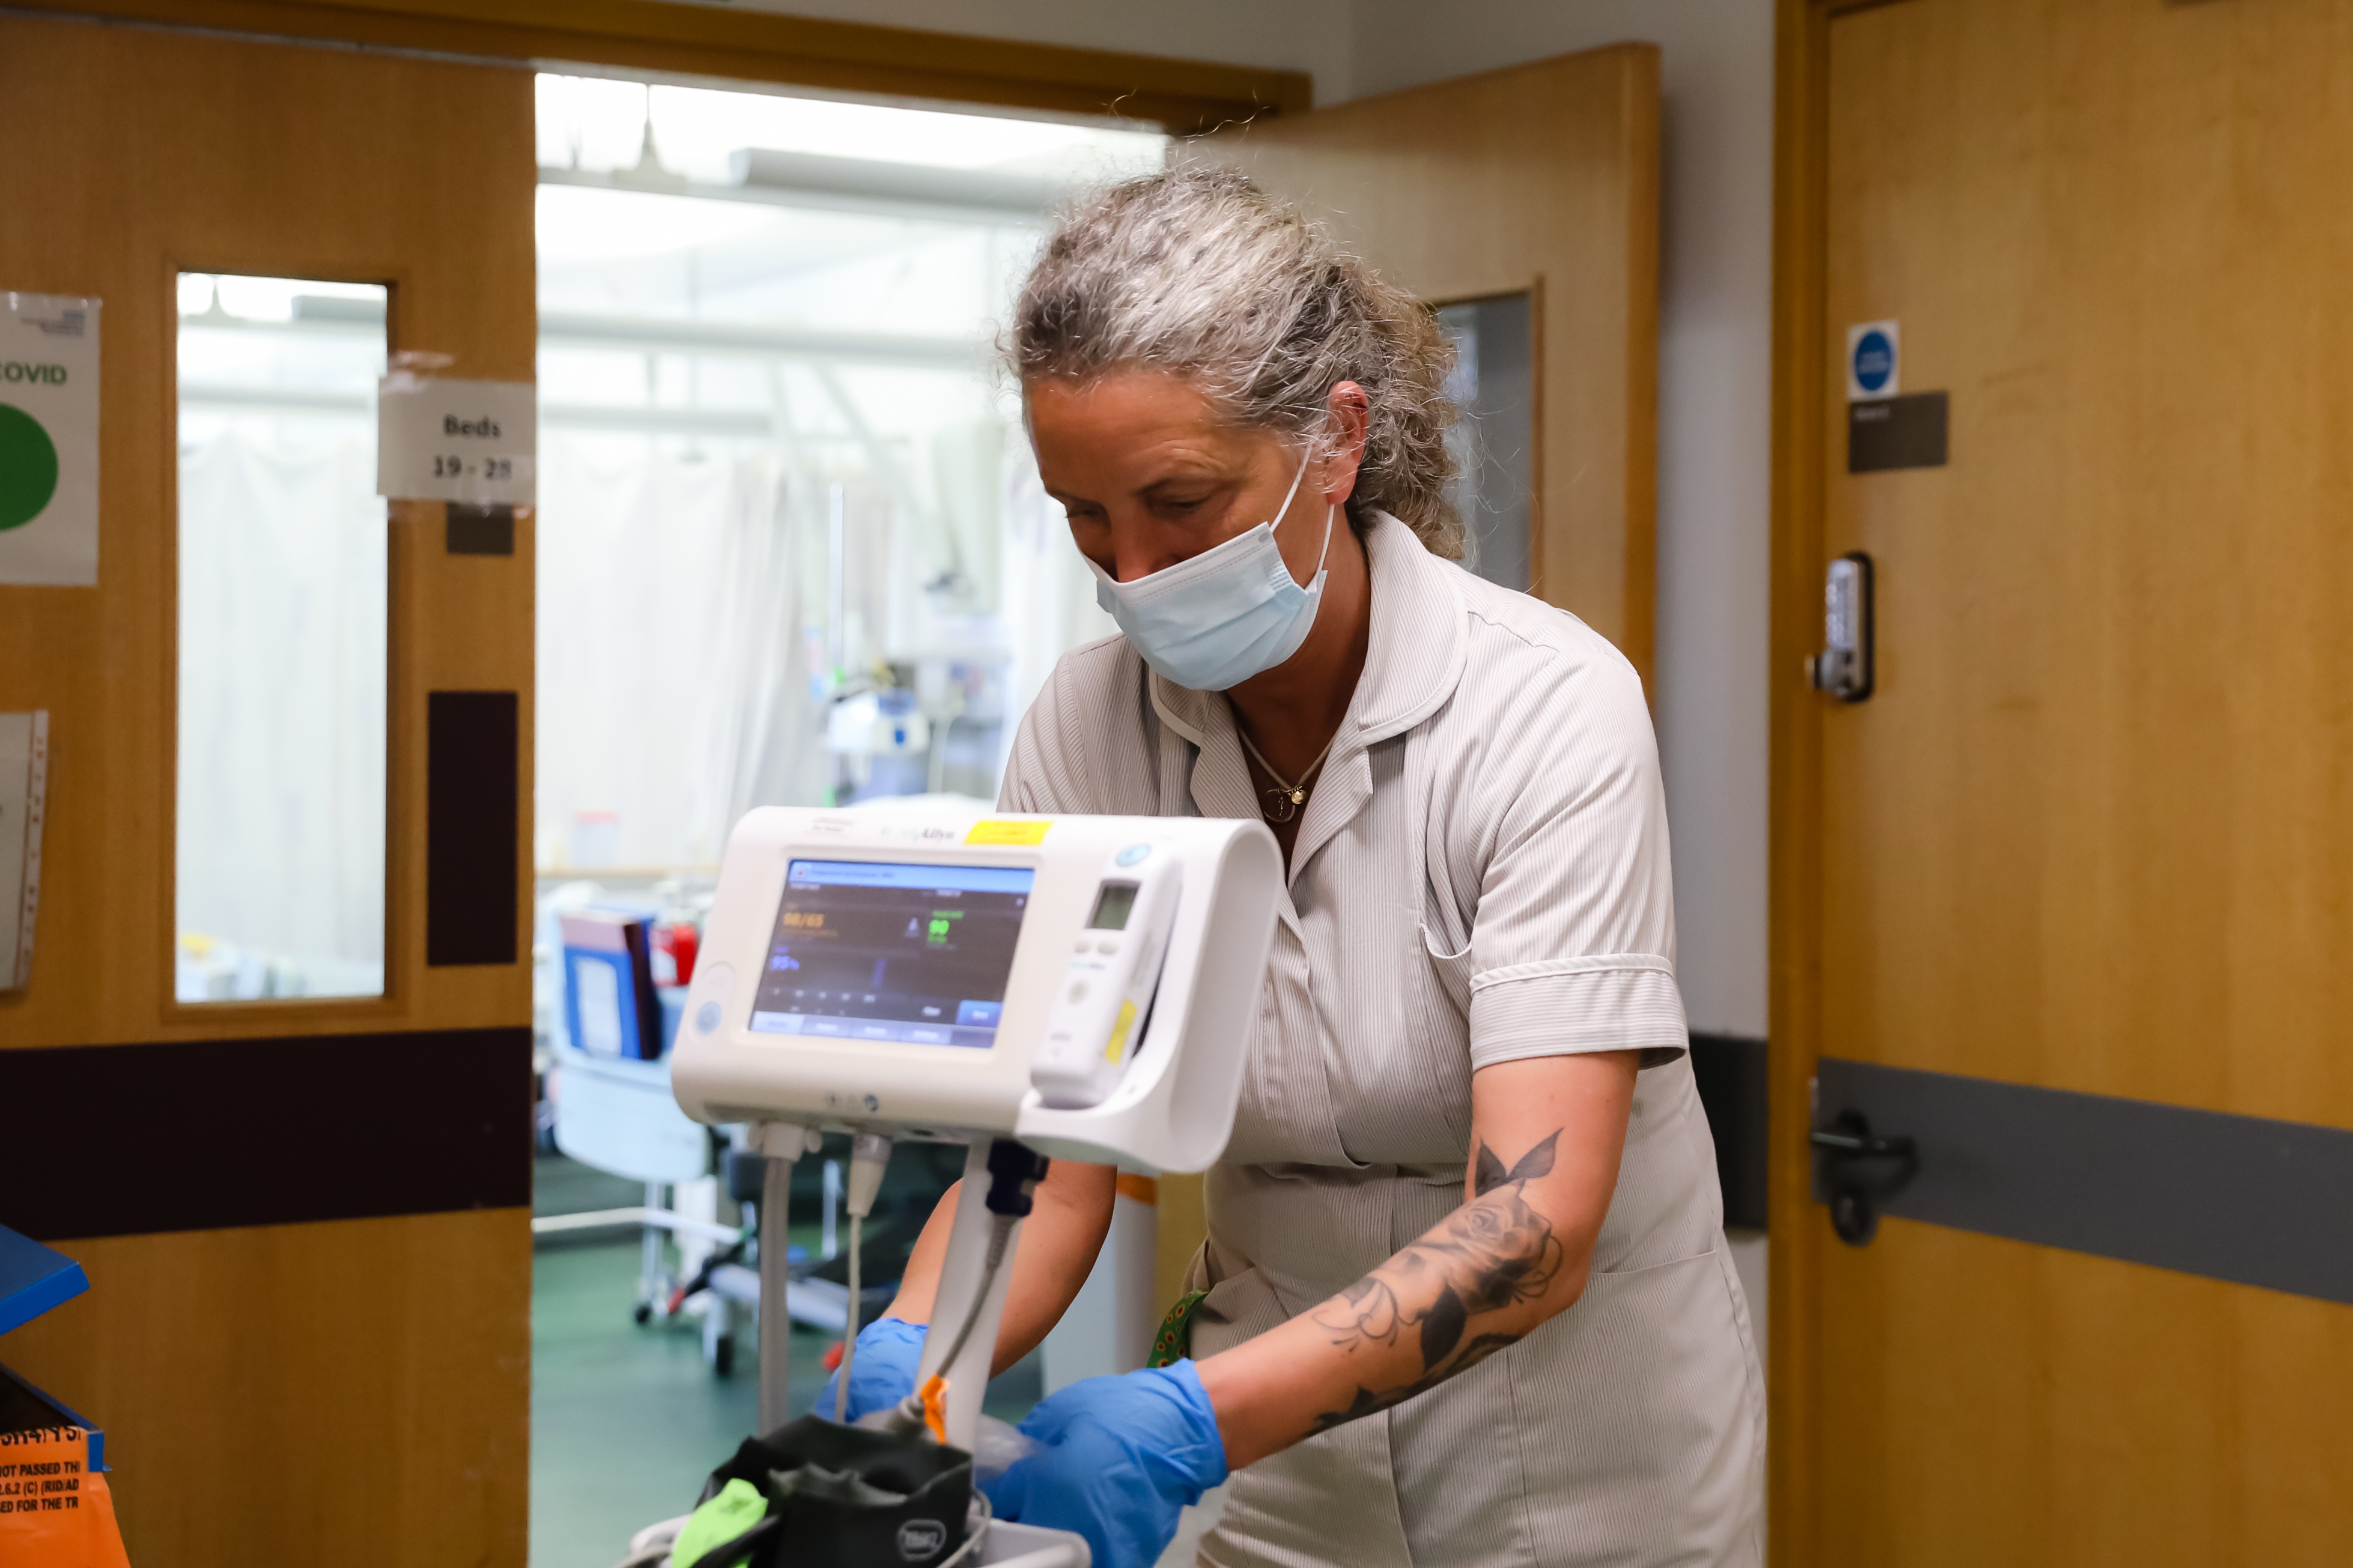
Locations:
{"points": [[1228, 613]]}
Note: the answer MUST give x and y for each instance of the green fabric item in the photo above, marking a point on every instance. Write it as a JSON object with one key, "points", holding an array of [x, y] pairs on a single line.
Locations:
{"points": [[738, 1507]]}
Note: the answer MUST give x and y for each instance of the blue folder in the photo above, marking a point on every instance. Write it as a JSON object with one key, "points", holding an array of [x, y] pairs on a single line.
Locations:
{"points": [[33, 1278]]}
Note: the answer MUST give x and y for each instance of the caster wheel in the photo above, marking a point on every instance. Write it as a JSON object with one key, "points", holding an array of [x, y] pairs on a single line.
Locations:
{"points": [[722, 1356], [644, 1313]]}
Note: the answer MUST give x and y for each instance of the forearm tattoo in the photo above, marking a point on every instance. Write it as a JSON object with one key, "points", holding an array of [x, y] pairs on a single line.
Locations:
{"points": [[1493, 1252]]}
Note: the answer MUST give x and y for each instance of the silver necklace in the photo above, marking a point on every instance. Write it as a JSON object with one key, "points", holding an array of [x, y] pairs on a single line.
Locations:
{"points": [[1285, 799]]}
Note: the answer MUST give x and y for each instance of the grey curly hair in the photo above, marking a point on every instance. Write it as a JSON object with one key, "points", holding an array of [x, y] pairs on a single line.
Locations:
{"points": [[1199, 272]]}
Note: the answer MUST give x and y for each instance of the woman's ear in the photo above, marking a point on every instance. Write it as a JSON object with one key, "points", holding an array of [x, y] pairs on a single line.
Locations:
{"points": [[1349, 415]]}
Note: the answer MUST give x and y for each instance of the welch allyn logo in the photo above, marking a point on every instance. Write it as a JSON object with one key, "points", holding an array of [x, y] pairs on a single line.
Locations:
{"points": [[920, 1540]]}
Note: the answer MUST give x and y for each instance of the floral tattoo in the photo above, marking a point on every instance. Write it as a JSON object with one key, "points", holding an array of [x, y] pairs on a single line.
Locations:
{"points": [[1495, 1252]]}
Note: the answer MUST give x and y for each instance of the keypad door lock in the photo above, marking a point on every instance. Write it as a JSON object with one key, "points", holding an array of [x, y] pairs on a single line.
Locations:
{"points": [[1843, 668]]}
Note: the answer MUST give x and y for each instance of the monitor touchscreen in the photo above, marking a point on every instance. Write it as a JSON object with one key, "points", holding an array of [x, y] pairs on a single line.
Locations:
{"points": [[874, 949]]}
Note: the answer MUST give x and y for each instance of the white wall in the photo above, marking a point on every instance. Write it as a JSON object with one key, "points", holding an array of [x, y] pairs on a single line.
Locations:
{"points": [[1715, 352], [1715, 421]]}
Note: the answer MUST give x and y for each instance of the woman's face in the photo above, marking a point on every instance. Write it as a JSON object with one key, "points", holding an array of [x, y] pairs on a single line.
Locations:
{"points": [[1150, 476]]}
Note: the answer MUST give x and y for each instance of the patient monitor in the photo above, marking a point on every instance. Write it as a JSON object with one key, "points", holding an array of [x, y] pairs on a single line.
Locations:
{"points": [[1085, 986]]}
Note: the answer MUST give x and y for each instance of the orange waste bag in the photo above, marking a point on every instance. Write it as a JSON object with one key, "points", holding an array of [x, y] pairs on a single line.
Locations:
{"points": [[55, 1511]]}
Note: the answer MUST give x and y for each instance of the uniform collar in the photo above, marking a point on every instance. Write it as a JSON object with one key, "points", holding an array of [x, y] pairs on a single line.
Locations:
{"points": [[1416, 656], [1413, 659]]}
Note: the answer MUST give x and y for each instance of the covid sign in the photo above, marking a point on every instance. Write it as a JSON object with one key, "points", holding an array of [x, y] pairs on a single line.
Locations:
{"points": [[48, 440]]}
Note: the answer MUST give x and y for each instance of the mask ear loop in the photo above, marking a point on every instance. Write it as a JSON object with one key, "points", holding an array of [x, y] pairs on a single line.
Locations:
{"points": [[1288, 496]]}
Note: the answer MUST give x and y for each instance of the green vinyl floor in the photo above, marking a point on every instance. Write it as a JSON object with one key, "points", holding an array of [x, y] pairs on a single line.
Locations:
{"points": [[627, 1420]]}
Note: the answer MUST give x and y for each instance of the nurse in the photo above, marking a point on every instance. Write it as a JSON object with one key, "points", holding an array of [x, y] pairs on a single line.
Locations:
{"points": [[1467, 1296]]}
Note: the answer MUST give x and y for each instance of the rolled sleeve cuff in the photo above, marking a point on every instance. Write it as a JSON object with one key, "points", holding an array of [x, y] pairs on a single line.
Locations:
{"points": [[1565, 1006]]}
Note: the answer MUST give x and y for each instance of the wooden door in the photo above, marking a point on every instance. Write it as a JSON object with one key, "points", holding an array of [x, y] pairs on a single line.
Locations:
{"points": [[1541, 180], [305, 1223], [2087, 850]]}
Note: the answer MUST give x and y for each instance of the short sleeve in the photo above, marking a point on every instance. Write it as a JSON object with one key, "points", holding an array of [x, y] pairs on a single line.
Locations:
{"points": [[1572, 940]]}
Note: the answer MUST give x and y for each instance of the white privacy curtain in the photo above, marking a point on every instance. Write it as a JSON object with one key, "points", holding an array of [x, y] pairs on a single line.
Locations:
{"points": [[281, 826], [1049, 595], [674, 675], [684, 592]]}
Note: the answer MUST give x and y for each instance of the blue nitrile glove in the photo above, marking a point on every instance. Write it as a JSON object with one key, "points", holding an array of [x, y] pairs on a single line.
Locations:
{"points": [[1117, 1458], [882, 1372]]}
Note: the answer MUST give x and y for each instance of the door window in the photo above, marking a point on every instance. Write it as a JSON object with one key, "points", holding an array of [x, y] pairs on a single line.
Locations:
{"points": [[280, 862], [1494, 386]]}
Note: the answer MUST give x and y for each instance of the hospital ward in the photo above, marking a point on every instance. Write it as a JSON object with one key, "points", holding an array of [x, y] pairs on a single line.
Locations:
{"points": [[1277, 783]]}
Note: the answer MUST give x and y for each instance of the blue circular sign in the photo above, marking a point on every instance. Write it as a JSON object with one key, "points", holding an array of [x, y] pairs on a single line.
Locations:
{"points": [[1133, 853], [1874, 360], [706, 1018]]}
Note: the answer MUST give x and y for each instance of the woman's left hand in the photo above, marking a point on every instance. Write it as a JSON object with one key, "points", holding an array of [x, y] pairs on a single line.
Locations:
{"points": [[1118, 1459]]}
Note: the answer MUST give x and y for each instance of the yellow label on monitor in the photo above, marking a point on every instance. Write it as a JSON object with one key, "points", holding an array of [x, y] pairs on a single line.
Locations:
{"points": [[1007, 832], [1120, 1026]]}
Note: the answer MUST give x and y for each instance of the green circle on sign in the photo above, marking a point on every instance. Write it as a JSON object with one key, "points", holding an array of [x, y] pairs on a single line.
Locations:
{"points": [[29, 468]]}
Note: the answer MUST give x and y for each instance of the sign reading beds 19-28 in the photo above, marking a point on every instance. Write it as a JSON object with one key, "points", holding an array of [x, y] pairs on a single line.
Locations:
{"points": [[48, 440], [451, 440]]}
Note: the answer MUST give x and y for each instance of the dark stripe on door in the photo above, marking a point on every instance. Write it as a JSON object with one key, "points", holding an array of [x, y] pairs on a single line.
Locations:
{"points": [[1731, 1073], [203, 1134], [2242, 1198], [473, 791]]}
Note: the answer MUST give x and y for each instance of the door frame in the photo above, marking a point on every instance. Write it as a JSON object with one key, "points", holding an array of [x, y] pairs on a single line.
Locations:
{"points": [[657, 38], [1794, 900]]}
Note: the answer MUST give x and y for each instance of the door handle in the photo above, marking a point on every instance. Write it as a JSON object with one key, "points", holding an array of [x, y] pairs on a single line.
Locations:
{"points": [[1859, 1169], [1845, 666]]}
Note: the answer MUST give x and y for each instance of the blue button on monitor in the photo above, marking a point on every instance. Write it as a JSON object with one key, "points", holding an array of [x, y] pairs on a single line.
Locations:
{"points": [[979, 1014], [1133, 853]]}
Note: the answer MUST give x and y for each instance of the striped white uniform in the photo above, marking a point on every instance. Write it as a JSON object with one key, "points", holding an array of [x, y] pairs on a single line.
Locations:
{"points": [[1481, 875]]}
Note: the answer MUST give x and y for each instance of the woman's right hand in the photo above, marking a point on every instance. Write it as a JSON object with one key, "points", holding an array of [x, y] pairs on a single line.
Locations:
{"points": [[882, 1372]]}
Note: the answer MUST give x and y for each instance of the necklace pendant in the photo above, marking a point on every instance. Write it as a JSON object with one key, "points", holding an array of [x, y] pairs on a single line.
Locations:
{"points": [[1285, 807]]}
